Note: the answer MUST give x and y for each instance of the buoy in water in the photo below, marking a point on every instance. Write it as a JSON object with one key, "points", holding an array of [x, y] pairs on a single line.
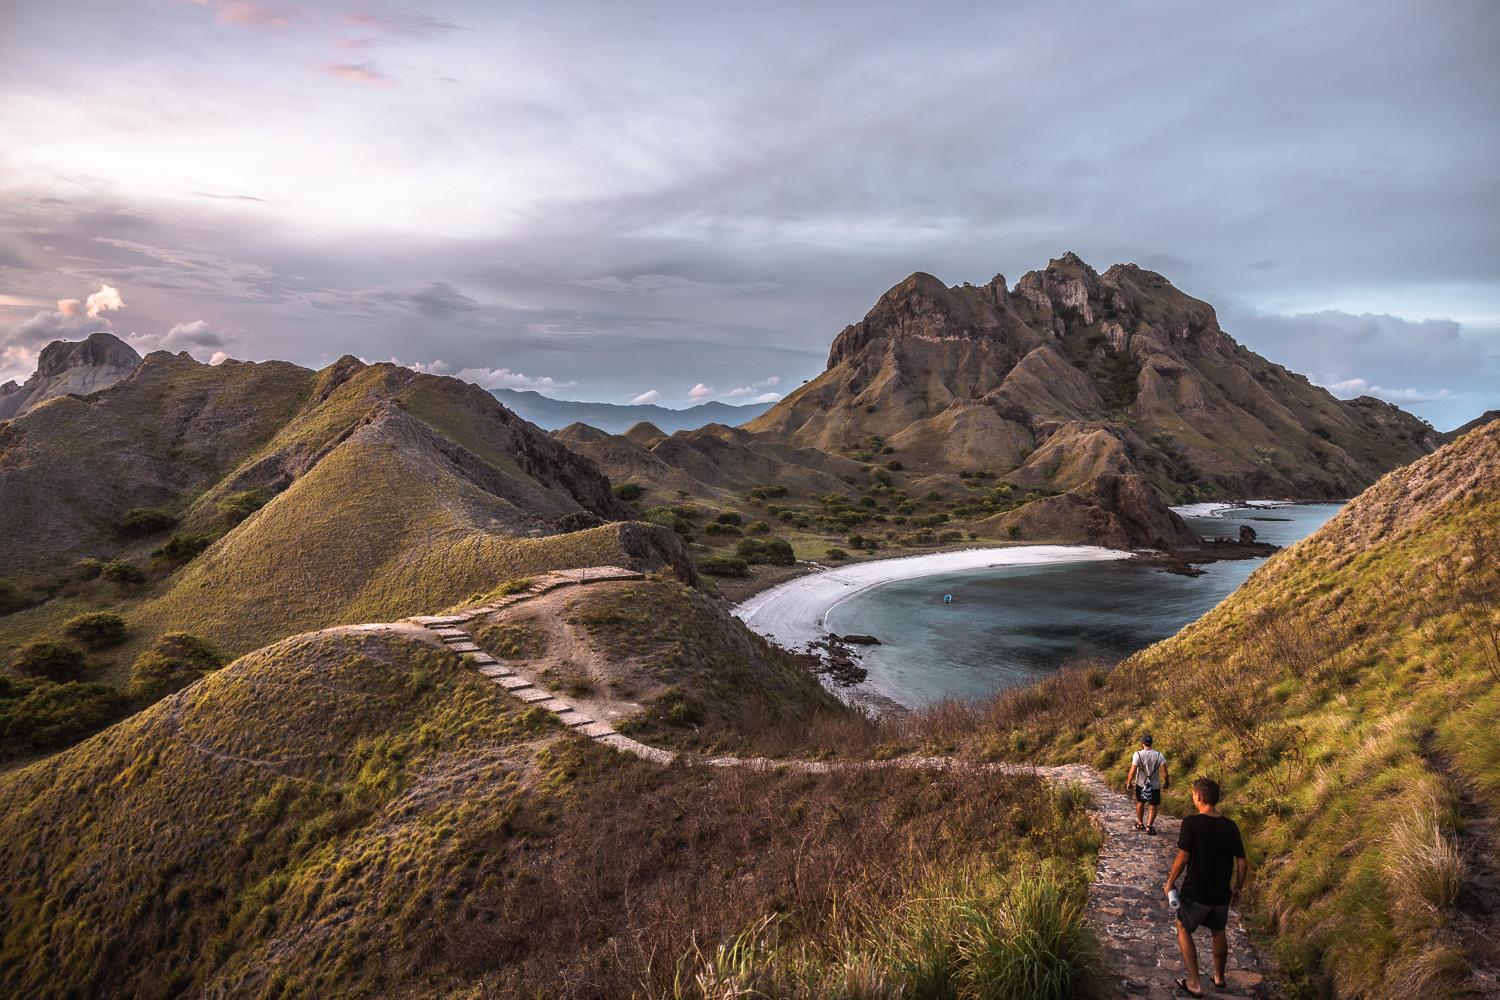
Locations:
{"points": [[947, 598]]}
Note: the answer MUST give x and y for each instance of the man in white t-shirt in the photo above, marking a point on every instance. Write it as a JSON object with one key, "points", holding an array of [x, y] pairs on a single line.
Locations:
{"points": [[1147, 777]]}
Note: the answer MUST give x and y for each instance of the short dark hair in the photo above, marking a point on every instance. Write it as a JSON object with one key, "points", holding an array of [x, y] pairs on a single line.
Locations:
{"points": [[1146, 739], [1207, 789]]}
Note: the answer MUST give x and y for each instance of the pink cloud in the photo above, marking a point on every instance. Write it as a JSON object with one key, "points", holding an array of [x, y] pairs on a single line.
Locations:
{"points": [[356, 73], [105, 298], [649, 396], [700, 392], [249, 14]]}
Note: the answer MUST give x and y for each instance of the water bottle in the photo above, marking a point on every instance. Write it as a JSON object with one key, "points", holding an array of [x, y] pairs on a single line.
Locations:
{"points": [[1173, 900]]}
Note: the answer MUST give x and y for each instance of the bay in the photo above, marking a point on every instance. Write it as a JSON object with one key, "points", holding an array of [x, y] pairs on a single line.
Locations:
{"points": [[1014, 625]]}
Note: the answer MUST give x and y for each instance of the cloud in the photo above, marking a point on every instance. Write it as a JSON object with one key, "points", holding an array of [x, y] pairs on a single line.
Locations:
{"points": [[219, 357], [504, 378], [649, 396], [1350, 388], [364, 72], [436, 300], [197, 338], [249, 14], [755, 393], [426, 367], [105, 298], [671, 286], [229, 197], [401, 22]]}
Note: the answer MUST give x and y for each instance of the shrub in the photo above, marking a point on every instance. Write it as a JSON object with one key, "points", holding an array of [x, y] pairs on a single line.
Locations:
{"points": [[627, 491], [517, 586], [238, 506], [881, 476], [173, 662], [89, 569], [1014, 531], [145, 521], [664, 517], [122, 573], [12, 597], [777, 490], [183, 548], [856, 541], [723, 566], [759, 528], [715, 528], [775, 551], [96, 631], [1035, 946], [729, 517], [42, 715], [56, 661], [836, 553]]}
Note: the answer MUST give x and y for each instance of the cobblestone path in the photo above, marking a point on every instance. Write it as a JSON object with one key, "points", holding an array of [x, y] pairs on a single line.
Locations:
{"points": [[1126, 901]]}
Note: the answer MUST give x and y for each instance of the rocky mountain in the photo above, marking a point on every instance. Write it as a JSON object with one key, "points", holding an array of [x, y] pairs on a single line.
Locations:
{"points": [[1488, 416], [1072, 374], [555, 414], [281, 499], [65, 367]]}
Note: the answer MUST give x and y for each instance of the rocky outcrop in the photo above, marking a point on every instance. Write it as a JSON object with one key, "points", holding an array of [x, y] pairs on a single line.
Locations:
{"points": [[980, 376], [70, 367], [1114, 511]]}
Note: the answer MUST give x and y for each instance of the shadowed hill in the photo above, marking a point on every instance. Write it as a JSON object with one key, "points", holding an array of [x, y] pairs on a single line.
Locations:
{"points": [[359, 813], [1074, 374], [1348, 696]]}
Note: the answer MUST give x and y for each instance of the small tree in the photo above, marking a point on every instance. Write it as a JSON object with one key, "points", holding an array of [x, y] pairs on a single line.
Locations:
{"points": [[122, 573], [96, 631], [627, 491], [56, 661], [172, 663], [145, 521]]}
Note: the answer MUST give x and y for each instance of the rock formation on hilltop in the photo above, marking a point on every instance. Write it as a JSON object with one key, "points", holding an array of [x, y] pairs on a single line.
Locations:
{"points": [[1073, 374], [65, 367]]}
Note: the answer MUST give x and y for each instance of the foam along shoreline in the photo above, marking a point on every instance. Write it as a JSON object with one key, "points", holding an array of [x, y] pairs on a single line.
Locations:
{"points": [[792, 614], [1217, 507]]}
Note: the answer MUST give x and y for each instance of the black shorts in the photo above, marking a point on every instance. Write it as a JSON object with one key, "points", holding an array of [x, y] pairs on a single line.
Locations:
{"points": [[1151, 798], [1193, 915]]}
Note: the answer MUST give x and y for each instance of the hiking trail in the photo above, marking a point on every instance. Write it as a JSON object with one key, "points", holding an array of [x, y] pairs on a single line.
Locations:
{"points": [[1126, 903]]}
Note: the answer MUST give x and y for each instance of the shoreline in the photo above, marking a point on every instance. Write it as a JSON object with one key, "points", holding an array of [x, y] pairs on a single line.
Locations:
{"points": [[791, 614]]}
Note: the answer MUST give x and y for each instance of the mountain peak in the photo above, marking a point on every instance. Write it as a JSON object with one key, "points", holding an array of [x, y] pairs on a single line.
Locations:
{"points": [[97, 351]]}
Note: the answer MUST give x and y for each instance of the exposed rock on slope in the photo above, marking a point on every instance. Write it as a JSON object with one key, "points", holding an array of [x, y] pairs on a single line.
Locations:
{"points": [[1073, 374], [67, 367]]}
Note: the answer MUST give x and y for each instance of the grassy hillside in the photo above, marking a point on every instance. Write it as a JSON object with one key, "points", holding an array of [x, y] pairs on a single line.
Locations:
{"points": [[361, 814], [1348, 697]]}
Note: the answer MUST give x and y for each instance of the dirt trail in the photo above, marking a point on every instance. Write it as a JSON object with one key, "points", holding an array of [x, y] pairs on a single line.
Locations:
{"points": [[1126, 902]]}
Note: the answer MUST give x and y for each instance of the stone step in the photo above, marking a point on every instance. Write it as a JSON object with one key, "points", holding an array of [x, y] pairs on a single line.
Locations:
{"points": [[436, 620], [496, 670], [513, 682], [531, 694], [594, 730], [463, 647], [484, 659], [449, 631]]}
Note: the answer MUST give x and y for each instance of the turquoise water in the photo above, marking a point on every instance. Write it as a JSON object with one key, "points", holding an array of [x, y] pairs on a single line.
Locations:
{"points": [[1016, 624]]}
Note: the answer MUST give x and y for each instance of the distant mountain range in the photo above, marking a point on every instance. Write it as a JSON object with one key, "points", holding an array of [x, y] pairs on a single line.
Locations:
{"points": [[555, 414]]}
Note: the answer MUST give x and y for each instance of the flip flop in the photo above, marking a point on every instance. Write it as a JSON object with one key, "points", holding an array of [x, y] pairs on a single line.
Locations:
{"points": [[1151, 829], [1219, 984], [1183, 986]]}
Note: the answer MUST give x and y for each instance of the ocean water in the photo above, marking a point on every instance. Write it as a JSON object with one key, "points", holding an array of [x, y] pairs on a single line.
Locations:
{"points": [[1014, 625]]}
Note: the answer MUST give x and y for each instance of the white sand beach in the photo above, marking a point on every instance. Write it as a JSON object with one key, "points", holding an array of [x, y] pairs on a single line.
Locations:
{"points": [[792, 614], [1213, 508]]}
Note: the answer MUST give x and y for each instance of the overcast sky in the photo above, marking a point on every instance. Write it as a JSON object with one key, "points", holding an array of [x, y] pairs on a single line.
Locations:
{"points": [[687, 201]]}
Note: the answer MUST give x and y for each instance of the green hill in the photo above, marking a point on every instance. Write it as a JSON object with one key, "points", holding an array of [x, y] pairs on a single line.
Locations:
{"points": [[360, 813], [1348, 697]]}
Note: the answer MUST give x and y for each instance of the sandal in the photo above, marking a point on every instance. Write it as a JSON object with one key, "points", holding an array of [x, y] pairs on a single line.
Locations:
{"points": [[1219, 984], [1151, 829], [1183, 986], [1139, 825]]}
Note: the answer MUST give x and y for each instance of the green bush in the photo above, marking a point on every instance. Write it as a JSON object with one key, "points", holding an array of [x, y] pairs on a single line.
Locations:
{"points": [[96, 631], [145, 521], [122, 573], [89, 569], [56, 661], [627, 491], [41, 715], [183, 548], [775, 551], [664, 517], [238, 506], [172, 663], [723, 566], [836, 553], [716, 528], [729, 517], [759, 528], [12, 596]]}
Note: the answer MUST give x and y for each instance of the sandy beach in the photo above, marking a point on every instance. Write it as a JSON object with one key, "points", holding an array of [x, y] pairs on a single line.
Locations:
{"points": [[792, 613]]}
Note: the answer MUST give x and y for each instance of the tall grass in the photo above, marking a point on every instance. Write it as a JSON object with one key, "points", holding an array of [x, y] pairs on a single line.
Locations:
{"points": [[983, 933]]}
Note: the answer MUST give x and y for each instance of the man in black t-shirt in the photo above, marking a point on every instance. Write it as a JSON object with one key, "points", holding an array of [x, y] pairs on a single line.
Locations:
{"points": [[1210, 849]]}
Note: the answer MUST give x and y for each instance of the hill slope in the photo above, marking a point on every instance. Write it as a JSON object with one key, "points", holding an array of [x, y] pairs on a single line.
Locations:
{"points": [[1348, 697], [1074, 374]]}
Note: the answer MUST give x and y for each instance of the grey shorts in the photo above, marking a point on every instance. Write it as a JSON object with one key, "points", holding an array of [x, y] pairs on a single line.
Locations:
{"points": [[1193, 915]]}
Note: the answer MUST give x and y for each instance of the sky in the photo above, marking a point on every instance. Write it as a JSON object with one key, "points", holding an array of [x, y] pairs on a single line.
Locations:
{"points": [[674, 202]]}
